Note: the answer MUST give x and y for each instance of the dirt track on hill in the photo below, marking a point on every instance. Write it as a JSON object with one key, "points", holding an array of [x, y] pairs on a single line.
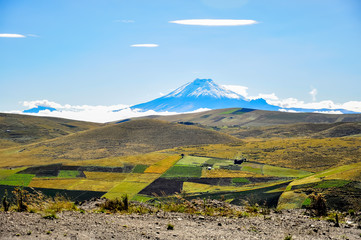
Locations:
{"points": [[75, 225]]}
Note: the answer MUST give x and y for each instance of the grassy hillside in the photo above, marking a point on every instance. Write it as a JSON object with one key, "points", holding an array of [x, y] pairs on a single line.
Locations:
{"points": [[340, 185], [302, 154], [250, 118], [300, 130], [128, 138], [18, 129]]}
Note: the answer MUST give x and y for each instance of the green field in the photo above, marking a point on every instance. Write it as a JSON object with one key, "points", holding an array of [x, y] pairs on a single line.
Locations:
{"points": [[17, 180], [183, 171], [4, 173], [140, 168], [192, 161]]}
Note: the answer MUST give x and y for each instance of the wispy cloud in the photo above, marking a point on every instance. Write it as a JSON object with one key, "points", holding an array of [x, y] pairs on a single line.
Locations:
{"points": [[124, 21], [11, 35], [147, 45], [215, 22], [32, 35]]}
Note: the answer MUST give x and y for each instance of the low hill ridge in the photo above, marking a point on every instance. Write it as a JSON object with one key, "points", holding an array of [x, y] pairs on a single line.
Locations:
{"points": [[128, 138]]}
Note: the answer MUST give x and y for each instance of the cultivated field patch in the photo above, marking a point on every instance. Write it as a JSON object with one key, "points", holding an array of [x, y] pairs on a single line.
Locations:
{"points": [[183, 171], [106, 176], [225, 173], [192, 161], [4, 173], [163, 165], [73, 184], [17, 180], [191, 187], [131, 185]]}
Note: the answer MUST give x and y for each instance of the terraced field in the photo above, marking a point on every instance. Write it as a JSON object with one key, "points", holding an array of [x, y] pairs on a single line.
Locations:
{"points": [[159, 175]]}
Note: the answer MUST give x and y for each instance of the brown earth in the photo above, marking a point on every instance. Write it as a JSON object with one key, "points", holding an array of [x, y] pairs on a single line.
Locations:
{"points": [[75, 225]]}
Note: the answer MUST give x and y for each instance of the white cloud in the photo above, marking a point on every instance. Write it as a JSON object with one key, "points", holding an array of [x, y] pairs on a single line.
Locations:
{"points": [[148, 45], [241, 90], [99, 114], [215, 22], [273, 99], [329, 112], [313, 93], [287, 110], [11, 35], [43, 103]]}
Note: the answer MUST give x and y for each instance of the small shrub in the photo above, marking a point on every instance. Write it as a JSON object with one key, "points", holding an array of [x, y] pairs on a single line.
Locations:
{"points": [[21, 197], [50, 215], [5, 202], [117, 204], [253, 209], [318, 204], [60, 203], [170, 226]]}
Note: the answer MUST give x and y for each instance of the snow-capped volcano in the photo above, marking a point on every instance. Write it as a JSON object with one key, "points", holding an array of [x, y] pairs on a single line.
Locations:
{"points": [[203, 87], [202, 93]]}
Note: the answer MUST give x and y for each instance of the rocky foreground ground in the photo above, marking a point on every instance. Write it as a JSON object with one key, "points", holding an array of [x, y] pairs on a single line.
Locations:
{"points": [[76, 225]]}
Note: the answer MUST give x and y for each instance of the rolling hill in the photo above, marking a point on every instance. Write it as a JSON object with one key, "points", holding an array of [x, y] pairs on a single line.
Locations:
{"points": [[128, 138], [16, 129], [243, 117], [304, 130]]}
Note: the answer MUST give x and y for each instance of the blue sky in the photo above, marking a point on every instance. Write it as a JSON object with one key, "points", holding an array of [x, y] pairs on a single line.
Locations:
{"points": [[80, 52]]}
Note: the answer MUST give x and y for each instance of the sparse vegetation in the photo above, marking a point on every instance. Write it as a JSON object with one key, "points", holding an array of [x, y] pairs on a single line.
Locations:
{"points": [[117, 204], [317, 206]]}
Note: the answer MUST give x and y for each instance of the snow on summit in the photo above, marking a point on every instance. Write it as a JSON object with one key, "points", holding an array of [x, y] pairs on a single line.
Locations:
{"points": [[203, 87], [201, 94]]}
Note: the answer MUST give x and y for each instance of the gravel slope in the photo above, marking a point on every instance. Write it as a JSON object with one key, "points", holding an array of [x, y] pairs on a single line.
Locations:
{"points": [[75, 225]]}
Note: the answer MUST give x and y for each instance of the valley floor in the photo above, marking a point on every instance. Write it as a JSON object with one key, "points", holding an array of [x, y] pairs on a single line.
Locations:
{"points": [[75, 225]]}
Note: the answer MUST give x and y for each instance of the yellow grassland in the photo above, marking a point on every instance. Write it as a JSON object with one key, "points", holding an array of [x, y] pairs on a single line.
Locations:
{"points": [[163, 165], [106, 176], [7, 144], [73, 184], [224, 173]]}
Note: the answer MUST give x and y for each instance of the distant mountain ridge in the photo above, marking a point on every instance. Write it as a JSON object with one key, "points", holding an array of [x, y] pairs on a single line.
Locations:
{"points": [[202, 93]]}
